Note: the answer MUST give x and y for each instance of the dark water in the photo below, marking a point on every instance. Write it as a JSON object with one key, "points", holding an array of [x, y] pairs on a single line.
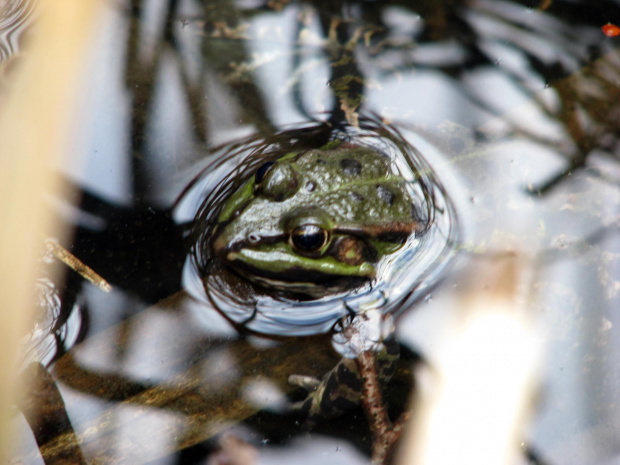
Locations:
{"points": [[514, 105]]}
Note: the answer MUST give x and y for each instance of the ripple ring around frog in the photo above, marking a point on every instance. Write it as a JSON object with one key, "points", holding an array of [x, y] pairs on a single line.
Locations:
{"points": [[400, 278]]}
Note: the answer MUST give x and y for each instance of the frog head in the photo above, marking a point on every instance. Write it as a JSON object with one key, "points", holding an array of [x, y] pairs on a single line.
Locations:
{"points": [[317, 221]]}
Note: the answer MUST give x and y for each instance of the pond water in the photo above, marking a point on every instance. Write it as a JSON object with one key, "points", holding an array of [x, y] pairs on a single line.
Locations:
{"points": [[513, 105]]}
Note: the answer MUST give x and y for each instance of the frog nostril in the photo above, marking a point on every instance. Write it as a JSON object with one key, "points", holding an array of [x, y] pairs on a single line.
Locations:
{"points": [[254, 238]]}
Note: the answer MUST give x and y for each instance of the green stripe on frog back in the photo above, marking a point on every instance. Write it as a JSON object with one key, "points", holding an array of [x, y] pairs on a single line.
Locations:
{"points": [[237, 201], [332, 144]]}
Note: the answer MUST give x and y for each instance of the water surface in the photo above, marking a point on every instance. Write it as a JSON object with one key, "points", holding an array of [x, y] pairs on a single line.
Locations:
{"points": [[512, 104]]}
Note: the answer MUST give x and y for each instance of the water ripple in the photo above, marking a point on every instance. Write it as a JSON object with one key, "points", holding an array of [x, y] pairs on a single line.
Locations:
{"points": [[15, 17], [402, 277]]}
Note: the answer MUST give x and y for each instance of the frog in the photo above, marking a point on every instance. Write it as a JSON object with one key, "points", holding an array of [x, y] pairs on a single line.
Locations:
{"points": [[317, 221], [313, 223]]}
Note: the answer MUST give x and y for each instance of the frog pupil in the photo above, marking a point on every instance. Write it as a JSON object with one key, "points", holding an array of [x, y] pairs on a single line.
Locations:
{"points": [[262, 171], [308, 238]]}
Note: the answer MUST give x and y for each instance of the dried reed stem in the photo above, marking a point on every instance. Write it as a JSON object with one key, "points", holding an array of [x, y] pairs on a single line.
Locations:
{"points": [[34, 132]]}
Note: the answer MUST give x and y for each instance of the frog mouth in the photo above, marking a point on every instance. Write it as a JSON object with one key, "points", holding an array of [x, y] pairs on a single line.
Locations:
{"points": [[279, 270], [299, 281]]}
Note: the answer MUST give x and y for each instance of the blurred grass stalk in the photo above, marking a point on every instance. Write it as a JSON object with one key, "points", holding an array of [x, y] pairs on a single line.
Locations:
{"points": [[487, 378], [35, 124]]}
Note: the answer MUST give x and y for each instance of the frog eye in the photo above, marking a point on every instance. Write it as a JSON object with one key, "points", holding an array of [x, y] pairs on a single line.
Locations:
{"points": [[308, 238], [262, 171]]}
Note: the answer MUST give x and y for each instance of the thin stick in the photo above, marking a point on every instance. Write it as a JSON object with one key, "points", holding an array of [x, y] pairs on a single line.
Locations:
{"points": [[385, 434], [77, 265]]}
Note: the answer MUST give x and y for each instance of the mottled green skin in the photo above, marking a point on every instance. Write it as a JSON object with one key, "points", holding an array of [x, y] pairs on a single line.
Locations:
{"points": [[349, 191]]}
